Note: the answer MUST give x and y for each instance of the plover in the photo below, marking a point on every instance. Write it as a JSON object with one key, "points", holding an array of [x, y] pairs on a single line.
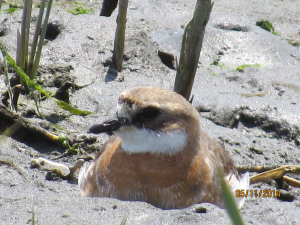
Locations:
{"points": [[159, 154]]}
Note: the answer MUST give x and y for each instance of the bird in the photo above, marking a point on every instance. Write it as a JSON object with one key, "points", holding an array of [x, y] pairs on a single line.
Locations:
{"points": [[158, 154]]}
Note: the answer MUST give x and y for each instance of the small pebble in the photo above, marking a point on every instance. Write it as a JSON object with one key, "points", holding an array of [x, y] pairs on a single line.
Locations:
{"points": [[286, 196]]}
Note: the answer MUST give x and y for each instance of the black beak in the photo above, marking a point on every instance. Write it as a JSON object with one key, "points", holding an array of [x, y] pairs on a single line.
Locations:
{"points": [[107, 127]]}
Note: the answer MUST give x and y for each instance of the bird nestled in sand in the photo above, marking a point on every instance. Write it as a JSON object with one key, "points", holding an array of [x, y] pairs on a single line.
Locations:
{"points": [[159, 154]]}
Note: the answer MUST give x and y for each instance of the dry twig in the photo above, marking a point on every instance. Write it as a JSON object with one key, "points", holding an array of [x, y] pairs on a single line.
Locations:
{"points": [[267, 173], [274, 173], [9, 162], [257, 169], [25, 124]]}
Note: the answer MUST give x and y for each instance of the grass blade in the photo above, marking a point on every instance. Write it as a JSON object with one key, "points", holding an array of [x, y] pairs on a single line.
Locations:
{"points": [[25, 27], [32, 85], [124, 221], [33, 217], [230, 204], [41, 41], [19, 48], [9, 89], [36, 36], [10, 131]]}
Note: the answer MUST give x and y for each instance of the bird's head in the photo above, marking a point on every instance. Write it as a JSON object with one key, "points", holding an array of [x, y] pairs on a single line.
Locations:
{"points": [[152, 120]]}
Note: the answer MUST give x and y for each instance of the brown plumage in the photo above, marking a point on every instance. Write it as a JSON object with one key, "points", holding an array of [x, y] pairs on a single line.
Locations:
{"points": [[159, 154]]}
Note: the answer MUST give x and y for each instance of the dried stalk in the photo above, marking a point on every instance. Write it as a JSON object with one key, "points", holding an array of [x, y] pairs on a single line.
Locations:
{"points": [[291, 181], [275, 173], [120, 35], [191, 47], [22, 123], [257, 169], [267, 173]]}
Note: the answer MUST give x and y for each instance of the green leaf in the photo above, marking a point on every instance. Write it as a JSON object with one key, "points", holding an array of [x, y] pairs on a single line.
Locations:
{"points": [[80, 10], [10, 10], [34, 86], [38, 53], [79, 3], [294, 43], [230, 204], [266, 25], [242, 67], [71, 109]]}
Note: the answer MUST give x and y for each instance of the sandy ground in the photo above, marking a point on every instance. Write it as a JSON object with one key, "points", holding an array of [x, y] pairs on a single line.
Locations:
{"points": [[254, 113]]}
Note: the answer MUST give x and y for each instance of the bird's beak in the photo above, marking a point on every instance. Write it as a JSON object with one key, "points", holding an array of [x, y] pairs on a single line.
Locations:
{"points": [[108, 126]]}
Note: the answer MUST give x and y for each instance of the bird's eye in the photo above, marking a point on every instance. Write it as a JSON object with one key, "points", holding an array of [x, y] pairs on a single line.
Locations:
{"points": [[149, 113]]}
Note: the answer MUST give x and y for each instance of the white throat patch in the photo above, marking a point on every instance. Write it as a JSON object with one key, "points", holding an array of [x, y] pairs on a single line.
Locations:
{"points": [[143, 140]]}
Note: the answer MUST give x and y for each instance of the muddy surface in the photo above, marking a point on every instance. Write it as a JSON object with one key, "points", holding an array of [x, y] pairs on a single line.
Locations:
{"points": [[253, 112]]}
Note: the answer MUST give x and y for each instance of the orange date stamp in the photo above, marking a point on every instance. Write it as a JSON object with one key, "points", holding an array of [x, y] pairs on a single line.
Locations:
{"points": [[267, 193]]}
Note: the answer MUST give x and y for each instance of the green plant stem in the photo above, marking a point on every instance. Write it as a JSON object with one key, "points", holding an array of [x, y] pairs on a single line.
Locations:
{"points": [[19, 49], [25, 27], [34, 86], [28, 19], [80, 10], [33, 217], [230, 203], [36, 36], [191, 47], [41, 41], [120, 35], [9, 89]]}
